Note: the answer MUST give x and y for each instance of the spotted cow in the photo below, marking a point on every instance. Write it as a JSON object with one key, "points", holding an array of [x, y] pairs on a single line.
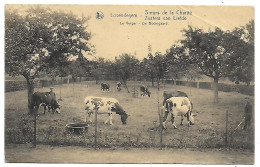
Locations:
{"points": [[179, 106], [104, 105]]}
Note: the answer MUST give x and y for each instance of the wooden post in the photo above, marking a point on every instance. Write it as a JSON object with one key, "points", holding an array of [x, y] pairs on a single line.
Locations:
{"points": [[226, 134], [161, 129], [95, 129], [198, 84], [60, 94], [159, 112], [34, 136]]}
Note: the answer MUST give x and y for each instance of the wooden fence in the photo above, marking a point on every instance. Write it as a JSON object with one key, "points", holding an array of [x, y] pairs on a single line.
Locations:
{"points": [[11, 86]]}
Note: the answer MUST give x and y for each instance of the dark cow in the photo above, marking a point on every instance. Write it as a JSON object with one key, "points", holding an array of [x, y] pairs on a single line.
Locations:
{"points": [[104, 105], [169, 94], [118, 86], [45, 99], [105, 87], [144, 91]]}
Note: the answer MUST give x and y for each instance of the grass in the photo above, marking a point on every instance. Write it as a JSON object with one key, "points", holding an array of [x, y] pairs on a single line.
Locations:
{"points": [[142, 129]]}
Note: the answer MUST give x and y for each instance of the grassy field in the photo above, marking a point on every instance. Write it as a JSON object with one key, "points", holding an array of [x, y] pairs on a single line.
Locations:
{"points": [[142, 128]]}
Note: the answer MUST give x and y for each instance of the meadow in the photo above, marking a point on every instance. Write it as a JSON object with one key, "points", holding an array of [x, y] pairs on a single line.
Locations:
{"points": [[142, 128]]}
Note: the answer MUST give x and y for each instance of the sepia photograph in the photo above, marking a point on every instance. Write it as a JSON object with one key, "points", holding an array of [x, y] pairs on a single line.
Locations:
{"points": [[129, 84]]}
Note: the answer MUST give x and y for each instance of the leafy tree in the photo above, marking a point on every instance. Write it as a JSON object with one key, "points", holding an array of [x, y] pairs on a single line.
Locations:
{"points": [[125, 67], [98, 69], [241, 62], [208, 51], [148, 70], [78, 68], [41, 39], [159, 64]]}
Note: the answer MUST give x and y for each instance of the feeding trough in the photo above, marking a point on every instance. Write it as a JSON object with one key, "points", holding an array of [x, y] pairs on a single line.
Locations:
{"points": [[77, 128]]}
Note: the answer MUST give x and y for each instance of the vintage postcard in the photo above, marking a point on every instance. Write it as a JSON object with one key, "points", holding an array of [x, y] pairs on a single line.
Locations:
{"points": [[129, 84]]}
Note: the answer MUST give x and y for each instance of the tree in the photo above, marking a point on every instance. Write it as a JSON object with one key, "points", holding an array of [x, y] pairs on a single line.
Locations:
{"points": [[125, 67], [99, 69], [159, 64], [41, 39], [241, 63], [78, 68], [147, 69], [208, 51]]}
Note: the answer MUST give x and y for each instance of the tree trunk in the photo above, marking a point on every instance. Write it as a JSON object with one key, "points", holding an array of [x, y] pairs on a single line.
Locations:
{"points": [[216, 90], [30, 87], [152, 81], [96, 80], [126, 86]]}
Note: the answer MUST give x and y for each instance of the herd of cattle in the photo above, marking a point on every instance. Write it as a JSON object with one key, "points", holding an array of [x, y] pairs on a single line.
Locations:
{"points": [[174, 102]]}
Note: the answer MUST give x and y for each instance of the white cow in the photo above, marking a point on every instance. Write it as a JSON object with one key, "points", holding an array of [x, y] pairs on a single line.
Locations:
{"points": [[104, 105], [179, 106]]}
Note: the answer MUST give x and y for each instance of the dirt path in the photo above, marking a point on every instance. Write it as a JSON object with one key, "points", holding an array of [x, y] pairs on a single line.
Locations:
{"points": [[47, 154]]}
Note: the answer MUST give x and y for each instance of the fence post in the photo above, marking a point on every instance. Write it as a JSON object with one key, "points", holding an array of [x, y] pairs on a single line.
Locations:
{"points": [[226, 133], [159, 112], [198, 84], [95, 129], [161, 129], [35, 123]]}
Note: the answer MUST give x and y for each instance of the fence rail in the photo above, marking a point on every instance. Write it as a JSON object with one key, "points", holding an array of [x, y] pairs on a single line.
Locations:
{"points": [[11, 86]]}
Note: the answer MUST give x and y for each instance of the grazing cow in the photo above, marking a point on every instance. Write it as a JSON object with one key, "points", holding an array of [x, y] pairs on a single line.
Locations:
{"points": [[104, 105], [179, 106], [118, 86], [105, 87], [169, 94], [144, 91], [45, 99]]}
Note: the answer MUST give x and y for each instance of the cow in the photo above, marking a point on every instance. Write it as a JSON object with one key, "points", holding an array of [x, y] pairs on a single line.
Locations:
{"points": [[144, 91], [104, 105], [118, 86], [179, 106], [45, 99], [105, 87], [169, 94]]}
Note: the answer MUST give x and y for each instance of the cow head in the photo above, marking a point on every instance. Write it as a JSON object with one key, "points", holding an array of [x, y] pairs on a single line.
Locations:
{"points": [[149, 93], [57, 107], [124, 117]]}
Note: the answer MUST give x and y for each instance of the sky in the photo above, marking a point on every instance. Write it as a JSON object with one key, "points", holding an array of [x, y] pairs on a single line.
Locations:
{"points": [[114, 34]]}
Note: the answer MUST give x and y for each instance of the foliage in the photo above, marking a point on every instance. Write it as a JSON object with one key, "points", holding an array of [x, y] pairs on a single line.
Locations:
{"points": [[241, 62], [126, 67], [41, 39], [78, 67]]}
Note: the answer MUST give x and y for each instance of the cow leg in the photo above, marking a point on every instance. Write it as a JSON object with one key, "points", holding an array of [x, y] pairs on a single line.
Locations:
{"points": [[89, 116], [181, 120], [44, 108], [165, 118], [172, 119], [109, 118], [188, 118], [191, 119]]}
